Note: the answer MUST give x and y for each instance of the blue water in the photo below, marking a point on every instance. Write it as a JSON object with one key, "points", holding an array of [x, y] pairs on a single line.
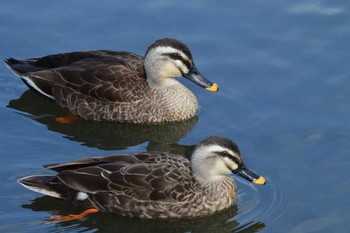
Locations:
{"points": [[283, 72]]}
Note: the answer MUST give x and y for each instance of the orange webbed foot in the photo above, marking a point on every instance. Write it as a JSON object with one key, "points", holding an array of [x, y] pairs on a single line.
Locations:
{"points": [[70, 217], [67, 119]]}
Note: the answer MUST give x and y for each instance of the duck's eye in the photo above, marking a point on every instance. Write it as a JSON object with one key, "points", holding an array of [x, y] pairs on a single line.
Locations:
{"points": [[225, 154]]}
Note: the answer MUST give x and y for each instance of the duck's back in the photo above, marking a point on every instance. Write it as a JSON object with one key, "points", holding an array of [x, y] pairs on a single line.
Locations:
{"points": [[104, 75]]}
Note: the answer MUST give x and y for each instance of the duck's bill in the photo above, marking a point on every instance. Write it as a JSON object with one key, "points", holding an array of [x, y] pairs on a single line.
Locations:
{"points": [[249, 175], [199, 79]]}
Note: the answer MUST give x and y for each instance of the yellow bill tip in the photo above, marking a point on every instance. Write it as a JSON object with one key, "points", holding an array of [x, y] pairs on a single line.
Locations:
{"points": [[214, 87], [260, 180]]}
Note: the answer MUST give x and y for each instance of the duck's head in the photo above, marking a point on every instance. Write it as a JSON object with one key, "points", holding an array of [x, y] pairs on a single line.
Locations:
{"points": [[216, 157], [167, 59]]}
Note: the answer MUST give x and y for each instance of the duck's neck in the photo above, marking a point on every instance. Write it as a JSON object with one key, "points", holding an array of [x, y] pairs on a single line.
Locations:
{"points": [[222, 192], [157, 83], [208, 180]]}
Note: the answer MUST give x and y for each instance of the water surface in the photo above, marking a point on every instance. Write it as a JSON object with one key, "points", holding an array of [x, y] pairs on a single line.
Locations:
{"points": [[283, 71]]}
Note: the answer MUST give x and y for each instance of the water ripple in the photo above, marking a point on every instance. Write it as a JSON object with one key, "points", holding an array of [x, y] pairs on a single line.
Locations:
{"points": [[264, 204]]}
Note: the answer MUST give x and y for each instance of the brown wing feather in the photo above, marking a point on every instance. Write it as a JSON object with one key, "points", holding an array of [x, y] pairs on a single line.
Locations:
{"points": [[107, 160], [103, 75], [111, 81], [143, 177]]}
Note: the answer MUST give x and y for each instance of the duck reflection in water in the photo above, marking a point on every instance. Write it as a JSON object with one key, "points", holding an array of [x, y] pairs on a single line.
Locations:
{"points": [[102, 222], [101, 135]]}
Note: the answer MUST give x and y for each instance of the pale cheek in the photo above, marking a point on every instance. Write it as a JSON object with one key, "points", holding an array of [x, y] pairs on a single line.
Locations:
{"points": [[184, 69], [170, 71], [232, 165], [178, 63], [221, 169]]}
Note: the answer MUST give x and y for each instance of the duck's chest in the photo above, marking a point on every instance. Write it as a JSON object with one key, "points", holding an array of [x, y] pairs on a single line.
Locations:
{"points": [[174, 103], [220, 195]]}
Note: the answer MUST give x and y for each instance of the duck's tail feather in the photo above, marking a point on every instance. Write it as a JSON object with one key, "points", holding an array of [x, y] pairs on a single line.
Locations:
{"points": [[47, 185], [21, 67], [11, 64], [26, 70]]}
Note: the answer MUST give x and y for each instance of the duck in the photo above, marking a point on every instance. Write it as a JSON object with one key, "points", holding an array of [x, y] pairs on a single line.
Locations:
{"points": [[118, 86], [150, 185]]}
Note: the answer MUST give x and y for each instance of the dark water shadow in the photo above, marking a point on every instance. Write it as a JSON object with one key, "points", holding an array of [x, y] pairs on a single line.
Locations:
{"points": [[101, 135], [103, 222]]}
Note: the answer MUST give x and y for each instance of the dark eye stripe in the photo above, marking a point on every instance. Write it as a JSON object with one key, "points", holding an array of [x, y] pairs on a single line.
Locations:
{"points": [[233, 158], [176, 56]]}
